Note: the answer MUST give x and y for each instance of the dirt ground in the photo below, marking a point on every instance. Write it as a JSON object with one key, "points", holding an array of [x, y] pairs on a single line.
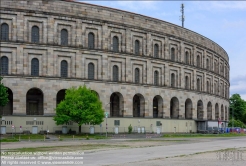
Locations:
{"points": [[231, 157], [236, 157]]}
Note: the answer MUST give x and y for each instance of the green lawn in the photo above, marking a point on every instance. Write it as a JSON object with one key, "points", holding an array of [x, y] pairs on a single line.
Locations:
{"points": [[82, 136], [204, 135]]}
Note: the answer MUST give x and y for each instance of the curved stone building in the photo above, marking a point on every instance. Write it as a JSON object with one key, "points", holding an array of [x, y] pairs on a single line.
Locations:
{"points": [[147, 72]]}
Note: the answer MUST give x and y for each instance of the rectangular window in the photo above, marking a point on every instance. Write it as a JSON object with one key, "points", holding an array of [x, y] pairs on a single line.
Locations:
{"points": [[116, 122]]}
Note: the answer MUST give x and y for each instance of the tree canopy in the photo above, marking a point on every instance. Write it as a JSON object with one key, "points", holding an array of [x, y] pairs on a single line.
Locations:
{"points": [[3, 94], [81, 106], [238, 108]]}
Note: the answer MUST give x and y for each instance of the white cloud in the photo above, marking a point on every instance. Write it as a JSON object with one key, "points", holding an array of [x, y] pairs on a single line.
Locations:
{"points": [[219, 5], [234, 24]]}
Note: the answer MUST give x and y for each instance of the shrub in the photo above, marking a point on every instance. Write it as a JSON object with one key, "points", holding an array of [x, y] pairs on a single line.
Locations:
{"points": [[130, 129]]}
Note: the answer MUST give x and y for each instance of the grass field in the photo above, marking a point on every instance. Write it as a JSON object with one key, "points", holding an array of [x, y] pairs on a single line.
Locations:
{"points": [[205, 135]]}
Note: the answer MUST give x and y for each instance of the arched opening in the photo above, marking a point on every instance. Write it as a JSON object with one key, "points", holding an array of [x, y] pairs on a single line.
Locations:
{"points": [[34, 102], [116, 105], [115, 73], [172, 54], [209, 111], [91, 40], [35, 34], [216, 111], [198, 63], [64, 68], [187, 57], [115, 44], [8, 108], [187, 82], [198, 85], [137, 47], [188, 109], [222, 112], [199, 110], [60, 96], [91, 71], [207, 62], [138, 105], [35, 67], [64, 37], [157, 107], [4, 32], [173, 80], [156, 51], [208, 86], [137, 76], [174, 108], [96, 93], [4, 65], [156, 78]]}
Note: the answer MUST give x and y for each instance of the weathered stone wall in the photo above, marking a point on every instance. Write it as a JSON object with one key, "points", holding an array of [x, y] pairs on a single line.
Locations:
{"points": [[80, 19]]}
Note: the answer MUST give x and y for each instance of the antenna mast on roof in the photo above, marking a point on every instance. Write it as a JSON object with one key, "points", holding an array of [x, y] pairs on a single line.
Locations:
{"points": [[182, 18]]}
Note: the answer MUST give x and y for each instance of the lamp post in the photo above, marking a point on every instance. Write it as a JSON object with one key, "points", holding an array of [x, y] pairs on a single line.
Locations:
{"points": [[106, 115]]}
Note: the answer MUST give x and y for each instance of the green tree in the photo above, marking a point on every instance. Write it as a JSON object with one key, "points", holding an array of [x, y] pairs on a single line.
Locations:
{"points": [[237, 107], [236, 123], [80, 106], [3, 95]]}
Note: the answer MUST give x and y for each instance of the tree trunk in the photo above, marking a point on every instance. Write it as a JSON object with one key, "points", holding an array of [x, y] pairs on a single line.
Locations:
{"points": [[79, 129]]}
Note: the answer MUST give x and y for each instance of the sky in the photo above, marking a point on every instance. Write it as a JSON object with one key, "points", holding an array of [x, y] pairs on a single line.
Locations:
{"points": [[224, 22]]}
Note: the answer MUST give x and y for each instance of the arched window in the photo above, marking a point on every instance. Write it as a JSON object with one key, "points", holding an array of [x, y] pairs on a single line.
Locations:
{"points": [[208, 86], [222, 69], [198, 63], [207, 62], [4, 32], [64, 37], [137, 75], [187, 57], [64, 68], [173, 80], [172, 54], [115, 44], [137, 47], [198, 84], [91, 40], [215, 67], [156, 51], [156, 78], [215, 88], [4, 65], [35, 34], [91, 75], [187, 82], [115, 73], [35, 67]]}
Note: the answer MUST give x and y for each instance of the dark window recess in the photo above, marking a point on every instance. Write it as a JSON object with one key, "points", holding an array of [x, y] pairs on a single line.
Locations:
{"points": [[91, 71], [116, 122], [4, 32], [64, 37], [4, 62], [158, 123], [35, 67], [91, 41], [35, 34], [64, 68], [115, 44]]}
